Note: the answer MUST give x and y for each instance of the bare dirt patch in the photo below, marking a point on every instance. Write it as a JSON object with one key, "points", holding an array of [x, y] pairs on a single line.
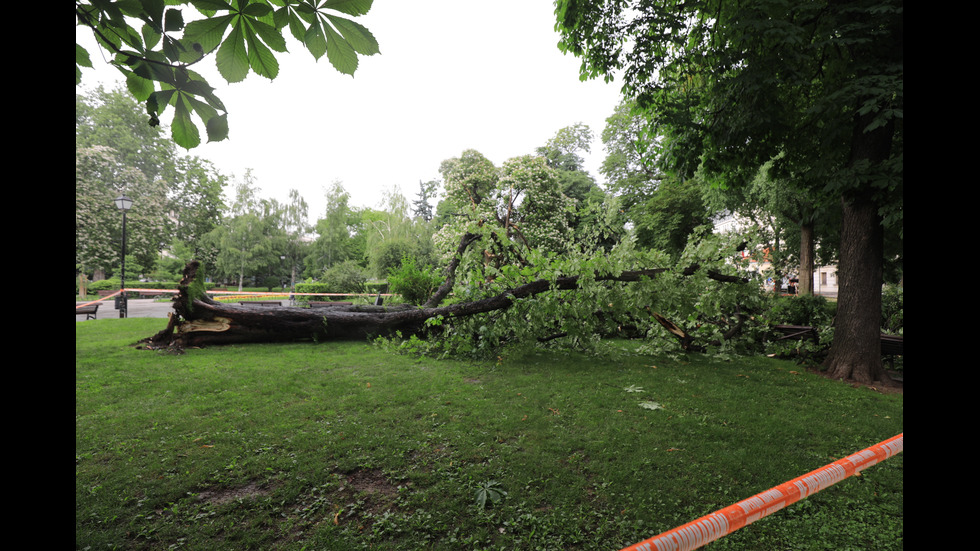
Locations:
{"points": [[221, 496]]}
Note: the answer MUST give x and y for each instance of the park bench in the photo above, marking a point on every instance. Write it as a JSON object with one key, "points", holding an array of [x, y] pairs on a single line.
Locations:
{"points": [[891, 345], [106, 293], [152, 294], [90, 311], [260, 302], [327, 304], [796, 332]]}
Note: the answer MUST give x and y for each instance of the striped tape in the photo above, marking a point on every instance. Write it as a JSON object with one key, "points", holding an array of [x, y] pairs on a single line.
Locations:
{"points": [[721, 523]]}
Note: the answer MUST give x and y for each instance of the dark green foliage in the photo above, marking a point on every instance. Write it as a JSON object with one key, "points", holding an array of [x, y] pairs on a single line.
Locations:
{"points": [[345, 277], [414, 283], [388, 254], [810, 310], [271, 282], [893, 309]]}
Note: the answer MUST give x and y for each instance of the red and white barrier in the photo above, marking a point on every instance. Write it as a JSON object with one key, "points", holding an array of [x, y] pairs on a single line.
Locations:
{"points": [[721, 523]]}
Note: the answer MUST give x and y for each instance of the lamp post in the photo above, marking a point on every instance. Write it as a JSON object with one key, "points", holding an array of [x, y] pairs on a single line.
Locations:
{"points": [[123, 203]]}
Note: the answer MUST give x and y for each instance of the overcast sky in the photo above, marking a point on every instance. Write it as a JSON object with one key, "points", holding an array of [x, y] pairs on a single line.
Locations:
{"points": [[452, 75]]}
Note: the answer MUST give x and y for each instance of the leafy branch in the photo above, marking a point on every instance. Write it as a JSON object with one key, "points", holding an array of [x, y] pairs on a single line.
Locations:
{"points": [[154, 47]]}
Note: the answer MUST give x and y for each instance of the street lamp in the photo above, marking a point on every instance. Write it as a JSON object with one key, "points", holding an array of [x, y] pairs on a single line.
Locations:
{"points": [[123, 203]]}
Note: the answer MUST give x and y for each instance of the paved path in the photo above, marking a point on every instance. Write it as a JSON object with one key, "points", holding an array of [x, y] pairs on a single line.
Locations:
{"points": [[138, 308]]}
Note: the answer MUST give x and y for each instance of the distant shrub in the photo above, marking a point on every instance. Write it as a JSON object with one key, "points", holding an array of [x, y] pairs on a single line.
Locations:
{"points": [[415, 284], [810, 310], [345, 277], [892, 309]]}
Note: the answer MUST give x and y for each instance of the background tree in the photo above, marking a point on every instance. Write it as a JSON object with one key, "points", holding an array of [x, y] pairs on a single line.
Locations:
{"points": [[819, 83], [155, 44], [798, 227], [100, 177], [286, 226], [535, 211], [195, 202], [664, 209], [244, 240], [192, 187], [113, 118], [593, 223], [335, 233], [422, 206], [563, 152]]}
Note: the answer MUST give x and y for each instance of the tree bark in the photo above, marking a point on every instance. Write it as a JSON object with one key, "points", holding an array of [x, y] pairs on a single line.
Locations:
{"points": [[855, 353], [806, 259]]}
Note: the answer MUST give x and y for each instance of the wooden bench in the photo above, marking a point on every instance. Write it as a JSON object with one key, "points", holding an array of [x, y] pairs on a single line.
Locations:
{"points": [[260, 302], [90, 311], [152, 294], [106, 293], [796, 332], [327, 303], [891, 345]]}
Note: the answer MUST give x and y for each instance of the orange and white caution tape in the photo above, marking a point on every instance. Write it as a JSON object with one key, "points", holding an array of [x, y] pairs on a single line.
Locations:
{"points": [[721, 523]]}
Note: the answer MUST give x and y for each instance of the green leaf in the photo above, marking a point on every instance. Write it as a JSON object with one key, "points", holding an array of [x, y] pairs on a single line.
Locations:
{"points": [[296, 27], [339, 52], [150, 36], [174, 20], [489, 491], [359, 37], [315, 41], [232, 58], [208, 32], [268, 33], [183, 130], [158, 101], [206, 6], [81, 57], [140, 87], [217, 128], [257, 10], [260, 57], [350, 7]]}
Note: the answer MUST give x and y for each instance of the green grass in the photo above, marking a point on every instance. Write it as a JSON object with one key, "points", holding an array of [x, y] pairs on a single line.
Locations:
{"points": [[348, 446]]}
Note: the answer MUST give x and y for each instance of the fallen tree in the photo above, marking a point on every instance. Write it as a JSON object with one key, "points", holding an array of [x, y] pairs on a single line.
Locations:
{"points": [[199, 321]]}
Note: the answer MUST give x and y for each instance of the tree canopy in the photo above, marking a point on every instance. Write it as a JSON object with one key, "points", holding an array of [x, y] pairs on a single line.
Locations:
{"points": [[155, 44], [816, 88], [177, 198]]}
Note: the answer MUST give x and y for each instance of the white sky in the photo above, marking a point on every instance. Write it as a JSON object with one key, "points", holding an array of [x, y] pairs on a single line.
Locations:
{"points": [[452, 75]]}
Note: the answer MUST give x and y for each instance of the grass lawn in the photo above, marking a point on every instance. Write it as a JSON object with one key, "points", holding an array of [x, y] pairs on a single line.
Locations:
{"points": [[339, 446]]}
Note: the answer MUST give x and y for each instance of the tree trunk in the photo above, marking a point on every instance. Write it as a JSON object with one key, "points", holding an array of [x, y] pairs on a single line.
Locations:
{"points": [[806, 259], [855, 352]]}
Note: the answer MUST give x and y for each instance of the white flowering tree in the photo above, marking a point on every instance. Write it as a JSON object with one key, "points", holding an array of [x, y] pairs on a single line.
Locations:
{"points": [[100, 177]]}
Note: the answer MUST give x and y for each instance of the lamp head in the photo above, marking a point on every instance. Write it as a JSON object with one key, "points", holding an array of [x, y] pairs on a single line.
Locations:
{"points": [[123, 203]]}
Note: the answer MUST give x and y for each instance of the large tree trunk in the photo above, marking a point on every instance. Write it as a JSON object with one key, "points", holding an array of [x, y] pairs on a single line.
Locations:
{"points": [[806, 259], [855, 353]]}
